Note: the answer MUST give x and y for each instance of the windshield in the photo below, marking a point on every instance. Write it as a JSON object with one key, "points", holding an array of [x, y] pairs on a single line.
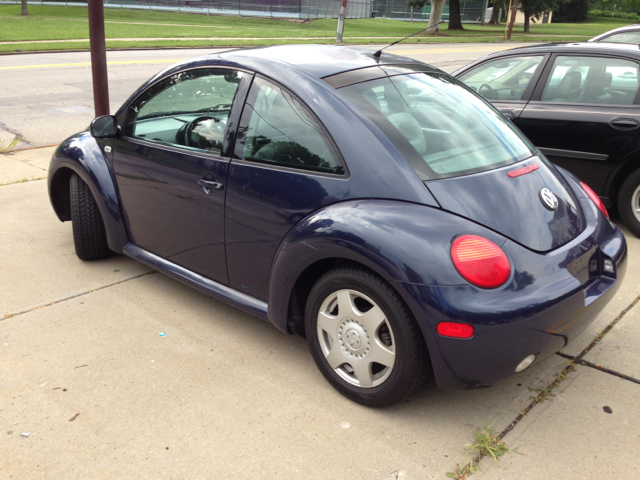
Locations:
{"points": [[441, 127]]}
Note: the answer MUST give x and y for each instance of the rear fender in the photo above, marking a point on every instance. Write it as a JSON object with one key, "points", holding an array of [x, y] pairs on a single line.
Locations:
{"points": [[82, 154], [400, 241]]}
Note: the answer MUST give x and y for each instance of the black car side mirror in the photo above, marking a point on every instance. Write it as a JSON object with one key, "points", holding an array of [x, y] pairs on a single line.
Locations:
{"points": [[104, 127]]}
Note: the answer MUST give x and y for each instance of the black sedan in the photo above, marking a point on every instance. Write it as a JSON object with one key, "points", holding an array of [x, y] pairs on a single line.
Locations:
{"points": [[371, 203], [579, 104]]}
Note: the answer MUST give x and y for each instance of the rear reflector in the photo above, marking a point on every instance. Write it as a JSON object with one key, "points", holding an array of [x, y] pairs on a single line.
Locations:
{"points": [[455, 330], [523, 171], [480, 261], [595, 198]]}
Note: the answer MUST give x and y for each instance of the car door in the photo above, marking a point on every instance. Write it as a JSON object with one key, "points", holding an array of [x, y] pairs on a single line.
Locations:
{"points": [[285, 166], [584, 115], [171, 166], [507, 82]]}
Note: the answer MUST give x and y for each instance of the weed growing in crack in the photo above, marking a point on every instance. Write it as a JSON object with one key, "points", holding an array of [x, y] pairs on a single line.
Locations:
{"points": [[464, 471], [487, 443], [5, 148]]}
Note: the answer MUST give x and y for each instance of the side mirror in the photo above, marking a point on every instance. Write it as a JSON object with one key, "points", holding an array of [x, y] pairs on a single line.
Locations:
{"points": [[104, 127]]}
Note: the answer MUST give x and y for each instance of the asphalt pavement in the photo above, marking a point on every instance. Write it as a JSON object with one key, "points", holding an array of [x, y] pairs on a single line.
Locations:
{"points": [[110, 370]]}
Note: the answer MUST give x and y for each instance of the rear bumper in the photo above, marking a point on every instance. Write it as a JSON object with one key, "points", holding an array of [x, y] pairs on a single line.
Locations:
{"points": [[549, 301]]}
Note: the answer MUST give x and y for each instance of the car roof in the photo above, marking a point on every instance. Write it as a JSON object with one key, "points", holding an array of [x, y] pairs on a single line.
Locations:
{"points": [[576, 47], [571, 48], [319, 60]]}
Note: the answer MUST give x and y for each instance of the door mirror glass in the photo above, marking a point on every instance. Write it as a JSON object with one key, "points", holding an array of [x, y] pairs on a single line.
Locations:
{"points": [[104, 127], [504, 79]]}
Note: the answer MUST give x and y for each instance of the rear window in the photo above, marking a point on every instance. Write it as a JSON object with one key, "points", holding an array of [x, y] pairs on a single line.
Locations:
{"points": [[441, 127]]}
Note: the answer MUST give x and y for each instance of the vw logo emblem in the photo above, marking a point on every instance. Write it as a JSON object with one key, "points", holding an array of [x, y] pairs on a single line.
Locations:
{"points": [[549, 200]]}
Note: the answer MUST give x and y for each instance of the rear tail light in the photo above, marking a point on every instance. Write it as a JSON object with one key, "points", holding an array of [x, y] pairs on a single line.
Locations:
{"points": [[455, 330], [595, 199], [480, 261]]}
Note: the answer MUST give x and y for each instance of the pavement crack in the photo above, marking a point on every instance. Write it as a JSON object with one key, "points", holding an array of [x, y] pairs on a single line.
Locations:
{"points": [[574, 360], [24, 180], [601, 368], [11, 315]]}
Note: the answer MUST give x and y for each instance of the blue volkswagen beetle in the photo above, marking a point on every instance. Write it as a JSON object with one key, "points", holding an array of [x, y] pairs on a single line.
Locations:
{"points": [[371, 203]]}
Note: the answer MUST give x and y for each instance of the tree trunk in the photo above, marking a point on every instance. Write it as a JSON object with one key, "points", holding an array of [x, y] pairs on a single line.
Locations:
{"points": [[495, 15], [526, 22], [454, 15], [412, 14], [25, 8], [437, 6]]}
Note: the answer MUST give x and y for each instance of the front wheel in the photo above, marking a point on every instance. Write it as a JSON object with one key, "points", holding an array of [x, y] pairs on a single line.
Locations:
{"points": [[363, 337], [629, 202], [89, 236]]}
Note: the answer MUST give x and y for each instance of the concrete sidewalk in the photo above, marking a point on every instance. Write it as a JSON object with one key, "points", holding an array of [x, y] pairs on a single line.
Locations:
{"points": [[224, 395]]}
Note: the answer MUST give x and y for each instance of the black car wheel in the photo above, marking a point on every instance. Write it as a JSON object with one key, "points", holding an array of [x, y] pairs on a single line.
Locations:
{"points": [[363, 337], [89, 235], [629, 202]]}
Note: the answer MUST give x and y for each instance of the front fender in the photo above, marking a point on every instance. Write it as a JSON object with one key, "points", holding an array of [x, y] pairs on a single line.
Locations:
{"points": [[400, 241], [82, 154]]}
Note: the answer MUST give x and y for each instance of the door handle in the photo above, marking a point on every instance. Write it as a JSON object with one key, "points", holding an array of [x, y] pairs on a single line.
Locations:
{"points": [[207, 185], [624, 123]]}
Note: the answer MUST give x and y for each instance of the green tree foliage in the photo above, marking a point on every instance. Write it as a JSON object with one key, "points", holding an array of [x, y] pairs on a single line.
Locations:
{"points": [[571, 12], [535, 9], [624, 5], [416, 5]]}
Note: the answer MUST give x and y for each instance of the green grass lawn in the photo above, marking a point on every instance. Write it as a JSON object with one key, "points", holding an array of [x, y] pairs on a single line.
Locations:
{"points": [[57, 25]]}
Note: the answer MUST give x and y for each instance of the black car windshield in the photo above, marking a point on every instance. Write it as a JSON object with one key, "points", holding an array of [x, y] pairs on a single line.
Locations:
{"points": [[441, 127]]}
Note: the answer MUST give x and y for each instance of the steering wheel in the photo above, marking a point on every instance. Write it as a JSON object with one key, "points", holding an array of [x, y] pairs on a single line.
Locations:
{"points": [[197, 142], [490, 92]]}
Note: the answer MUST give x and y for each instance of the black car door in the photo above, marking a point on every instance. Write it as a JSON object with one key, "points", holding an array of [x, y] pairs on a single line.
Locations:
{"points": [[584, 116], [507, 82], [171, 166]]}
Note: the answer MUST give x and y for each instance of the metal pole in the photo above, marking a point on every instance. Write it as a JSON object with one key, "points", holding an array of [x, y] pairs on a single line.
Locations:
{"points": [[98, 57], [341, 17], [512, 17]]}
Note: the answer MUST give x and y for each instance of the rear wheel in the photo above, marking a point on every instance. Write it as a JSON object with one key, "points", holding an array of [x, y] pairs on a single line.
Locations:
{"points": [[629, 202], [363, 337], [89, 235]]}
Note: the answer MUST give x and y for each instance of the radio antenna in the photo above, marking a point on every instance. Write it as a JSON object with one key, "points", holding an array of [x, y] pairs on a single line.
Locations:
{"points": [[379, 52]]}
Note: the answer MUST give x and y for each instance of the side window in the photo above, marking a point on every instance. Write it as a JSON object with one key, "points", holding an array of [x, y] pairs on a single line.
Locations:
{"points": [[596, 80], [189, 109], [503, 79], [276, 128], [623, 37]]}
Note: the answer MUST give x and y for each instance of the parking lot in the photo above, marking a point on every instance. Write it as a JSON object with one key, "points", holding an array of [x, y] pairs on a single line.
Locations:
{"points": [[111, 370]]}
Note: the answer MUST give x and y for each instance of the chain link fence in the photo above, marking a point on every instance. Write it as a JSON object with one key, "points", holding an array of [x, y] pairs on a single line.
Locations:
{"points": [[471, 11], [299, 9]]}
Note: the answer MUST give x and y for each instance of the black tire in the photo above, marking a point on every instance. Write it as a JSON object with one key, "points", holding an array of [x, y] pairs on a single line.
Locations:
{"points": [[350, 329], [629, 202], [89, 235]]}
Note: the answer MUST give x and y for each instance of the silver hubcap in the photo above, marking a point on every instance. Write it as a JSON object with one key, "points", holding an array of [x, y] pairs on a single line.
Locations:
{"points": [[635, 203], [356, 338]]}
